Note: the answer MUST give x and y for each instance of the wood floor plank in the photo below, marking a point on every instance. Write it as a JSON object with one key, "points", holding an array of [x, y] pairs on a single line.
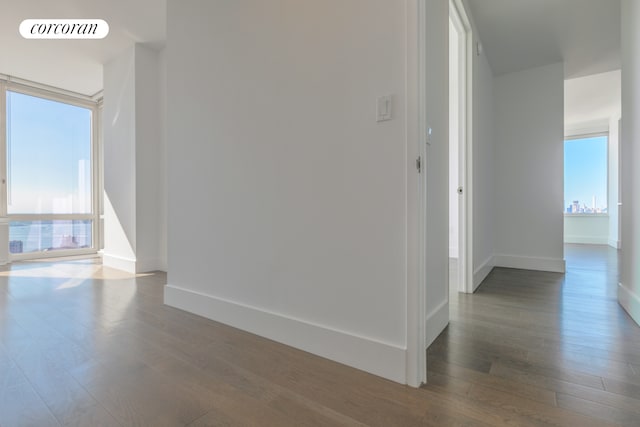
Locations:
{"points": [[94, 416], [21, 406], [622, 387], [85, 345], [535, 411], [64, 397], [531, 392], [599, 411]]}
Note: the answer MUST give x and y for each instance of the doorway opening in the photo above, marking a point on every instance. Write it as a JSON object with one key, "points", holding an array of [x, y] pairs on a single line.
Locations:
{"points": [[592, 166], [457, 190]]}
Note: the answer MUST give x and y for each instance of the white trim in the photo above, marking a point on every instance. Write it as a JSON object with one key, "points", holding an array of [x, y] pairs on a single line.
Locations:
{"points": [[51, 217], [49, 93], [614, 244], [482, 272], [436, 322], [384, 359], [57, 253], [465, 232], [630, 301], [119, 263], [16, 81], [553, 265], [98, 97], [5, 258], [416, 359], [586, 240], [3, 148], [585, 130], [97, 195]]}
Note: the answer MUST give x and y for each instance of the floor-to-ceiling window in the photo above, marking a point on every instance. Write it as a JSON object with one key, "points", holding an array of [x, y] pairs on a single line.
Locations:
{"points": [[50, 173]]}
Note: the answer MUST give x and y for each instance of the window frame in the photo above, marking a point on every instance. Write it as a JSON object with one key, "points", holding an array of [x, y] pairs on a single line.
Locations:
{"points": [[588, 135], [51, 94]]}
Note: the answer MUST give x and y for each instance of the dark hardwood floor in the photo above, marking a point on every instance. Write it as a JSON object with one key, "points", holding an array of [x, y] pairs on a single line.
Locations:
{"points": [[83, 345], [544, 346]]}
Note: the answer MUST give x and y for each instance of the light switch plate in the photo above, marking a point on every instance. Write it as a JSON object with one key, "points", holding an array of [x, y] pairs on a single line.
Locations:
{"points": [[384, 108]]}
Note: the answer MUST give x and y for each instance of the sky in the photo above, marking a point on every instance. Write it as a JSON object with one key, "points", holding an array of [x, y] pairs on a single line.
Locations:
{"points": [[585, 171], [48, 156]]}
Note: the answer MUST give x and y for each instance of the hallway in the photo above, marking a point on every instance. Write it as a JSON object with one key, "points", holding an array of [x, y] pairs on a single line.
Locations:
{"points": [[544, 346]]}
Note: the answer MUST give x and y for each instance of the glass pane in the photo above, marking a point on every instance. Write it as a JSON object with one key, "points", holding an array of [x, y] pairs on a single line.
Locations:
{"points": [[585, 175], [38, 236], [48, 156]]}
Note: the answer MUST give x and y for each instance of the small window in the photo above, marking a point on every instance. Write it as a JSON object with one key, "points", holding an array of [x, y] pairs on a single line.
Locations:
{"points": [[585, 176]]}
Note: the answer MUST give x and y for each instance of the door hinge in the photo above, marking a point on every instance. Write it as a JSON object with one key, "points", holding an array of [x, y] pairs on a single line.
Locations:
{"points": [[419, 164]]}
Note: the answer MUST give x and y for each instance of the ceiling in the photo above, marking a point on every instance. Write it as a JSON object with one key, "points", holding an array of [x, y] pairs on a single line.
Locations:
{"points": [[76, 65], [516, 34], [592, 98], [521, 34]]}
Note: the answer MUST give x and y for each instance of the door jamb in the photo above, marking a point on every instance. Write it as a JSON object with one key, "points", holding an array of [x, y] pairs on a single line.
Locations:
{"points": [[465, 231], [416, 357]]}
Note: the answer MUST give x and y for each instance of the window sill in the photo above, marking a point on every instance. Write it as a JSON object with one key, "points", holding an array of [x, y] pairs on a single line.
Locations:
{"points": [[586, 215]]}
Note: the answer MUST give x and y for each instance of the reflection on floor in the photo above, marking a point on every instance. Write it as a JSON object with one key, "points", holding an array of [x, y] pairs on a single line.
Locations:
{"points": [[544, 346], [84, 345]]}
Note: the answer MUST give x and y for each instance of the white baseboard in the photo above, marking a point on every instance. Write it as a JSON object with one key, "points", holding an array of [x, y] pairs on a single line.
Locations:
{"points": [[364, 353], [615, 244], [586, 240], [119, 263], [151, 264], [436, 322], [553, 265], [630, 301], [482, 272], [133, 266]]}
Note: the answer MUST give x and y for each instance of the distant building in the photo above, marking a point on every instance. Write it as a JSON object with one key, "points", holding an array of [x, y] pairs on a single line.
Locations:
{"points": [[15, 246]]}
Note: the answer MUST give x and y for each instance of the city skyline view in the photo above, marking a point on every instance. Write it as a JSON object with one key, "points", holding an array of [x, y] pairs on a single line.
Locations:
{"points": [[585, 175]]}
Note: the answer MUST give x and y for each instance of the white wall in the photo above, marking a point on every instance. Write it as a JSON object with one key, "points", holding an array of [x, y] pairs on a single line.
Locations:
{"points": [[164, 199], [591, 100], [454, 105], [528, 165], [483, 147], [119, 159], [613, 197], [149, 160], [133, 161], [586, 229], [296, 220], [629, 289]]}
